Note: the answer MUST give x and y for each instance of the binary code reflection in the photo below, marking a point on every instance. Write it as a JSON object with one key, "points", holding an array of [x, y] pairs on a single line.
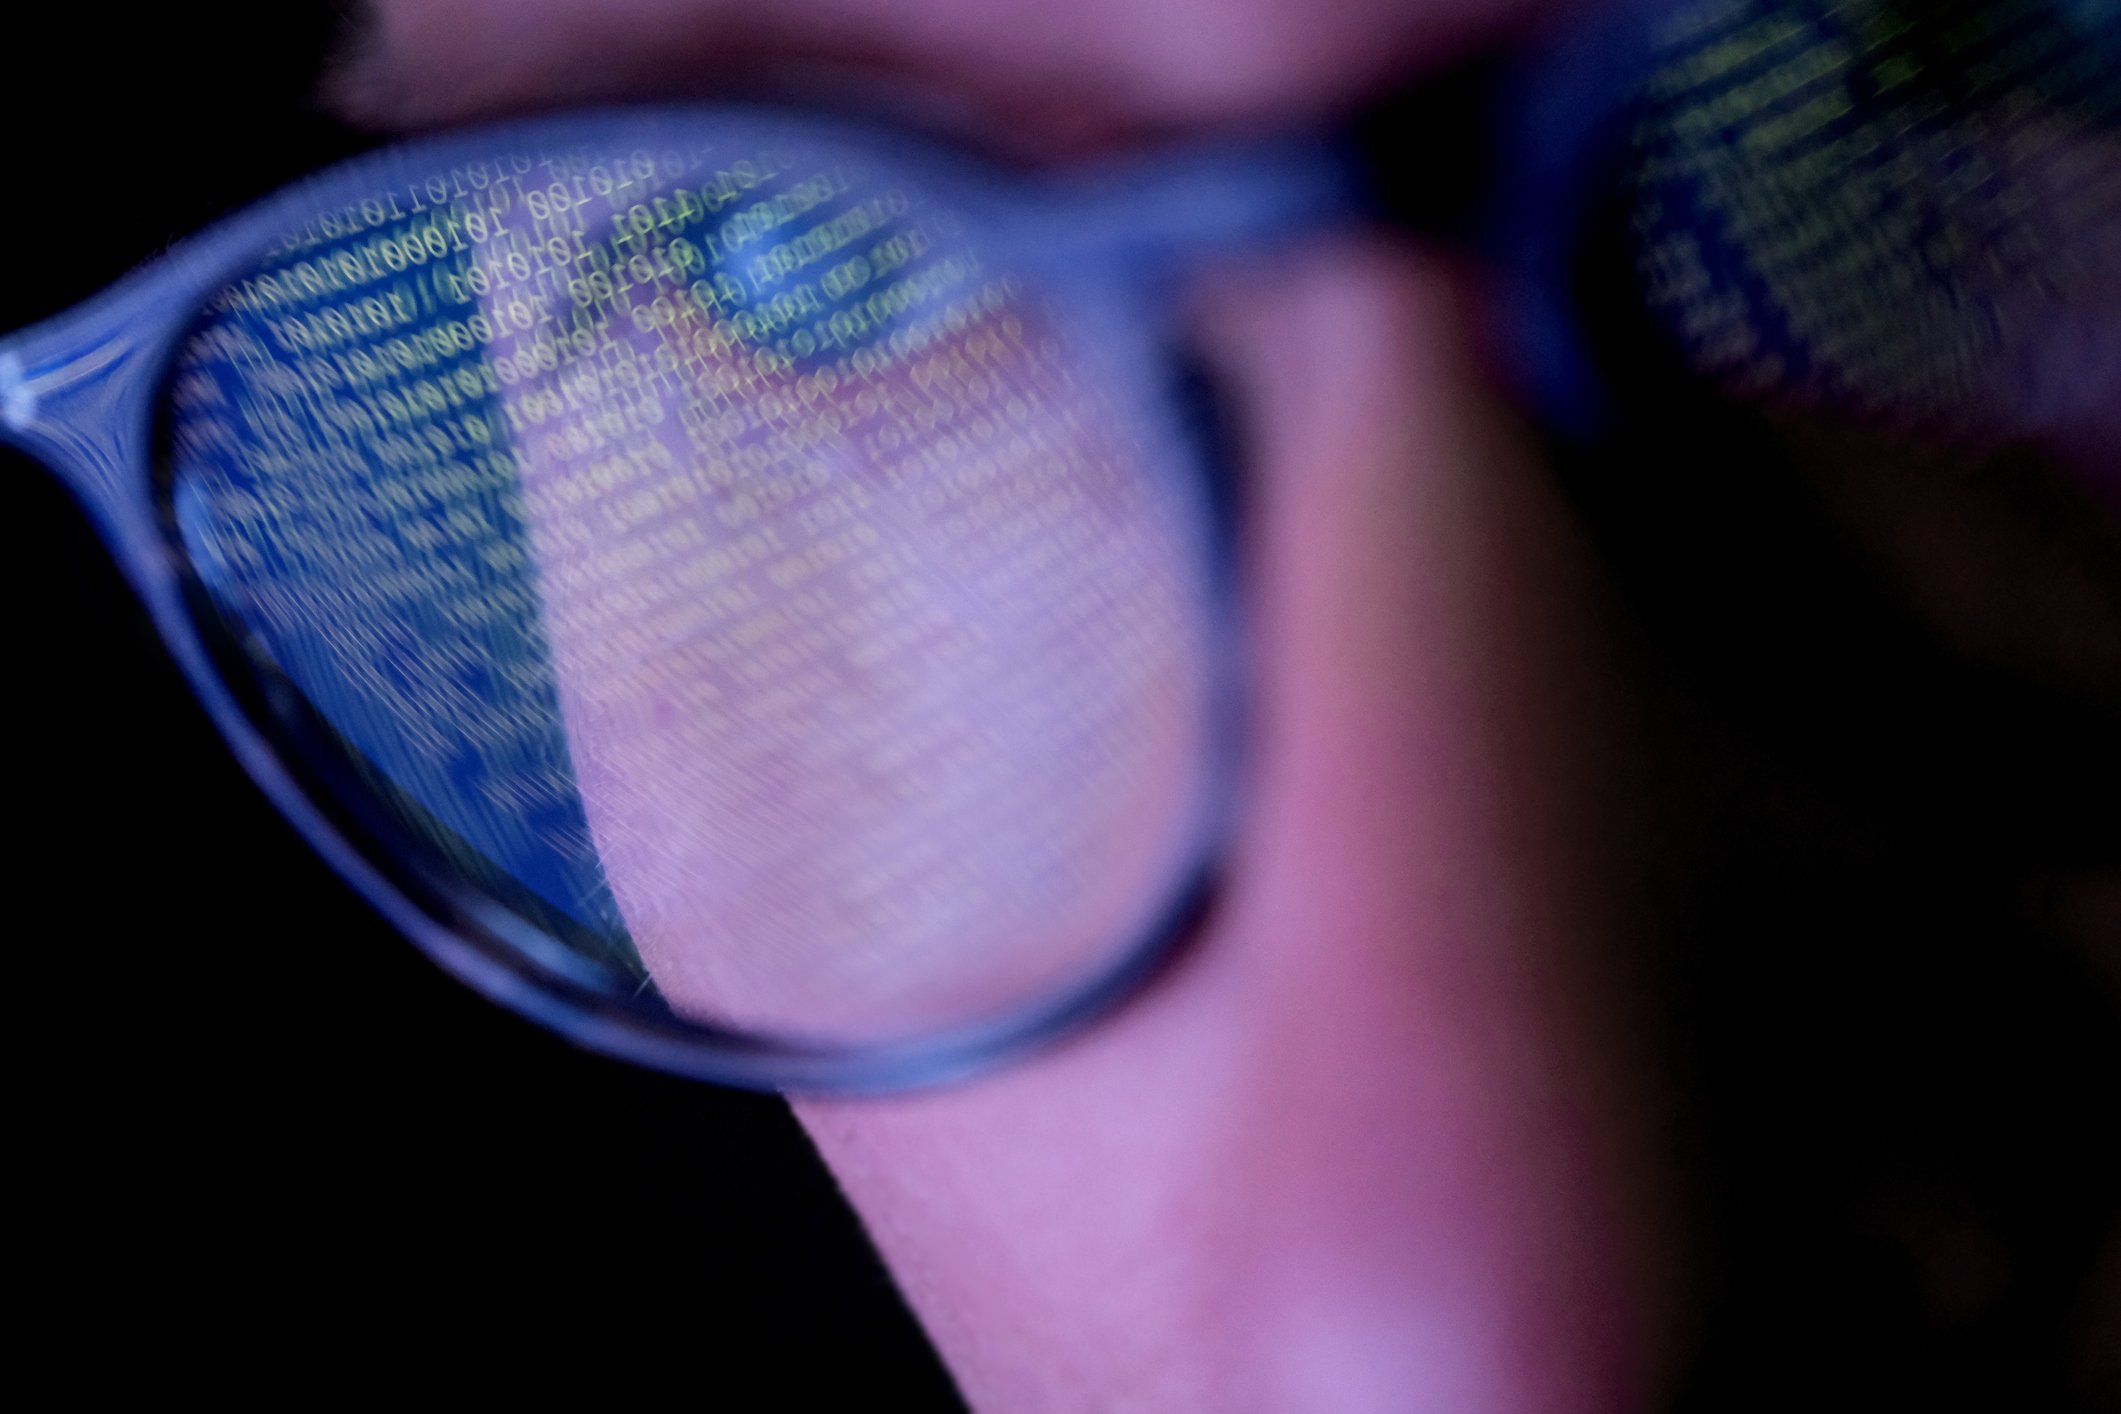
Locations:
{"points": [[712, 555], [1907, 213]]}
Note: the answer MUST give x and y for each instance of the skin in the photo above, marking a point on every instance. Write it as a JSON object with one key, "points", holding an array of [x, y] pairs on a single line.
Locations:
{"points": [[1363, 1152], [1385, 1140], [1015, 71]]}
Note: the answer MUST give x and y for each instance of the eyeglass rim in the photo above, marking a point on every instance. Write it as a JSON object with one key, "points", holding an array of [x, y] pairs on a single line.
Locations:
{"points": [[104, 364]]}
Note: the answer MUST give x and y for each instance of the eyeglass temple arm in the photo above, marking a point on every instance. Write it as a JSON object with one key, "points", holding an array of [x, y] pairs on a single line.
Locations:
{"points": [[71, 393]]}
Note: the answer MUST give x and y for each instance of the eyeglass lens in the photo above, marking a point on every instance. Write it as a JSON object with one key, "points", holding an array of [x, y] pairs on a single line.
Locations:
{"points": [[716, 553]]}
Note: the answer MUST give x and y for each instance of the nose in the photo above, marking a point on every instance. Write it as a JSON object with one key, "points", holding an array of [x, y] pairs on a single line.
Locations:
{"points": [[1376, 1144], [862, 732]]}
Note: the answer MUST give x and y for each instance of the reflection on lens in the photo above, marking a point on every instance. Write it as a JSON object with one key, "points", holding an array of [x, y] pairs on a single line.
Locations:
{"points": [[1878, 210], [706, 552]]}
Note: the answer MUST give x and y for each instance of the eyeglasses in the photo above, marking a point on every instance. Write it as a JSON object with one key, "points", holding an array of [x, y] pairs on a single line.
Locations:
{"points": [[747, 591], [754, 593]]}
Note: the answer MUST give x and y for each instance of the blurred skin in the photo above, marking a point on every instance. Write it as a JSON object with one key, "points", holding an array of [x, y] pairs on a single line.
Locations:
{"points": [[1380, 1142], [1373, 1145], [1044, 77]]}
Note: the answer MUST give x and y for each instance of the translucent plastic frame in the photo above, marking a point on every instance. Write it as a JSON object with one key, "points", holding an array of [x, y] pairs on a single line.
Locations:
{"points": [[80, 392]]}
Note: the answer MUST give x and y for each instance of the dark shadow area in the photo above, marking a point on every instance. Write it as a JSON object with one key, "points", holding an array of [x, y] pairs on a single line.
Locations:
{"points": [[260, 1141]]}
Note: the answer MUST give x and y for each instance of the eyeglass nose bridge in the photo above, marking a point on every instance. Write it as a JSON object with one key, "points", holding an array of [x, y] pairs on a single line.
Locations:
{"points": [[1172, 209]]}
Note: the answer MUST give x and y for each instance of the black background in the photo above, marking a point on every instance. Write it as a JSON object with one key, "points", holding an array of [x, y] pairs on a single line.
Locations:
{"points": [[254, 1133]]}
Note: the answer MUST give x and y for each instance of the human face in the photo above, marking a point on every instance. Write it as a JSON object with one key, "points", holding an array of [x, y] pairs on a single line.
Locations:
{"points": [[1316, 1166], [1368, 1147]]}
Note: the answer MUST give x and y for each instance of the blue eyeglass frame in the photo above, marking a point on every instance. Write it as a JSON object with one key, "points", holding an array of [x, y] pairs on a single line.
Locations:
{"points": [[80, 393]]}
